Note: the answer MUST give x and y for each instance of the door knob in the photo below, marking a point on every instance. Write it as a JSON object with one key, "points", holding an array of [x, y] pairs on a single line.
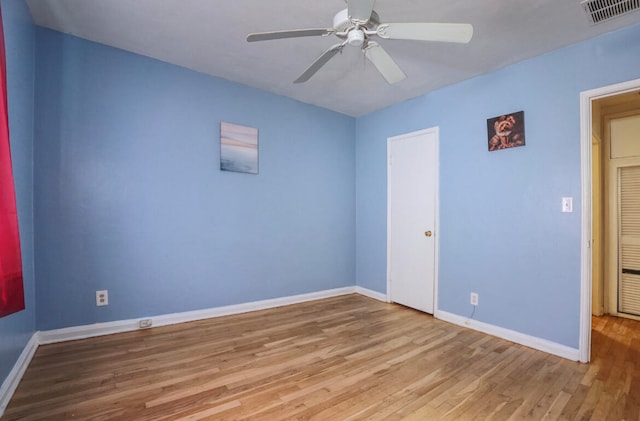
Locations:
{"points": [[427, 233]]}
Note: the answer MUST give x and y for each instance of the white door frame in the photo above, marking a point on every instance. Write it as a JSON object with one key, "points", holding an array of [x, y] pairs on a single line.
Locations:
{"points": [[436, 131], [586, 98]]}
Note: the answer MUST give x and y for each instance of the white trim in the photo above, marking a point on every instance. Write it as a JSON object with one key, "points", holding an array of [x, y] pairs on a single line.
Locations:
{"points": [[511, 335], [584, 343], [15, 375], [586, 99], [99, 329], [372, 294], [389, 298], [436, 255]]}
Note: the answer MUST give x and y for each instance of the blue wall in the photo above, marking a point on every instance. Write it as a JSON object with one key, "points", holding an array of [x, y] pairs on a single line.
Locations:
{"points": [[502, 234], [17, 329], [129, 196]]}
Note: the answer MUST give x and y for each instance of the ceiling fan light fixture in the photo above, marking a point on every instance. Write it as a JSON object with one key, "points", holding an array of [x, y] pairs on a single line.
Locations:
{"points": [[356, 37]]}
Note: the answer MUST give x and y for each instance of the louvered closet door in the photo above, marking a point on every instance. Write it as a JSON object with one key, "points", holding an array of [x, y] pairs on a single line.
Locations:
{"points": [[629, 208]]}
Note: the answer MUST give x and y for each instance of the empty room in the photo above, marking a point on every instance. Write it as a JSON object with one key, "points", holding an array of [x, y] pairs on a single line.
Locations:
{"points": [[336, 210]]}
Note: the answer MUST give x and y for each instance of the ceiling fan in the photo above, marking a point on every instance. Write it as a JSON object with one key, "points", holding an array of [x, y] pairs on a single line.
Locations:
{"points": [[358, 24]]}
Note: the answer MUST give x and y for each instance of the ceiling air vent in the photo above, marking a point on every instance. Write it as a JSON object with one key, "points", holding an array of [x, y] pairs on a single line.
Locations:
{"points": [[601, 10]]}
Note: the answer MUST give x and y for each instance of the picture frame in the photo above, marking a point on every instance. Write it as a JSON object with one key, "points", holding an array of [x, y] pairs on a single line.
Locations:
{"points": [[238, 148], [506, 131]]}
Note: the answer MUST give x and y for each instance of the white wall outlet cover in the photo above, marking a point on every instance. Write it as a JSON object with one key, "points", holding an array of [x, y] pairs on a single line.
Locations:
{"points": [[567, 204], [102, 298], [145, 323]]}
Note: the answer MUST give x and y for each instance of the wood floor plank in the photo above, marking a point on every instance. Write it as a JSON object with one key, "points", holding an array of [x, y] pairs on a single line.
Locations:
{"points": [[344, 358]]}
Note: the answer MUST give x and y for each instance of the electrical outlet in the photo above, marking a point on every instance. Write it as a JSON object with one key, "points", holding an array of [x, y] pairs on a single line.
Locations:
{"points": [[145, 323], [474, 298], [102, 298]]}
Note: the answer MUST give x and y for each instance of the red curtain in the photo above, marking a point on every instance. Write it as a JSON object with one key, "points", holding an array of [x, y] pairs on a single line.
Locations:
{"points": [[11, 288]]}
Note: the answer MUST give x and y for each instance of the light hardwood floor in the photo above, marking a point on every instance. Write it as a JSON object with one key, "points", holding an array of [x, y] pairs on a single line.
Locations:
{"points": [[344, 358]]}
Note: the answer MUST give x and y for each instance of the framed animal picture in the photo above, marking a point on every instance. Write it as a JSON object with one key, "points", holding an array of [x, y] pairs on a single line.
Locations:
{"points": [[506, 131]]}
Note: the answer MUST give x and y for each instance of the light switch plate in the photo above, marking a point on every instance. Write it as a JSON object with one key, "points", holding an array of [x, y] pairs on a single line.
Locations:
{"points": [[567, 204]]}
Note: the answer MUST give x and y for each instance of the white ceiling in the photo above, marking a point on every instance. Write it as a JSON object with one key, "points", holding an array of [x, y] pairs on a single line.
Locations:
{"points": [[209, 36]]}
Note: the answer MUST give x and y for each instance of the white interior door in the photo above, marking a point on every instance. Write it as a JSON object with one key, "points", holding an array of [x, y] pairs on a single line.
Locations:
{"points": [[412, 181]]}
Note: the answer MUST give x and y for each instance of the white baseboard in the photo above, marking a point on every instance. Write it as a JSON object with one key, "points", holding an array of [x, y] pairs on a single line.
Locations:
{"points": [[372, 294], [107, 328], [10, 384], [81, 332], [15, 375], [511, 335]]}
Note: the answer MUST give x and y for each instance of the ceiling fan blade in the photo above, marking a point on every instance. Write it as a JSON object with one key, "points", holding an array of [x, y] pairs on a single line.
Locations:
{"points": [[265, 36], [383, 62], [360, 10], [446, 32], [321, 61]]}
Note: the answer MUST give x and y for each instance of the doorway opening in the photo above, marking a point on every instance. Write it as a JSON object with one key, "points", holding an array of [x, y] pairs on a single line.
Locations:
{"points": [[615, 202], [600, 201]]}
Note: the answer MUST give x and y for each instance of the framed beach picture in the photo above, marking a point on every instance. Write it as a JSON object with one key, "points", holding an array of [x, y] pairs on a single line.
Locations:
{"points": [[506, 131], [238, 148]]}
